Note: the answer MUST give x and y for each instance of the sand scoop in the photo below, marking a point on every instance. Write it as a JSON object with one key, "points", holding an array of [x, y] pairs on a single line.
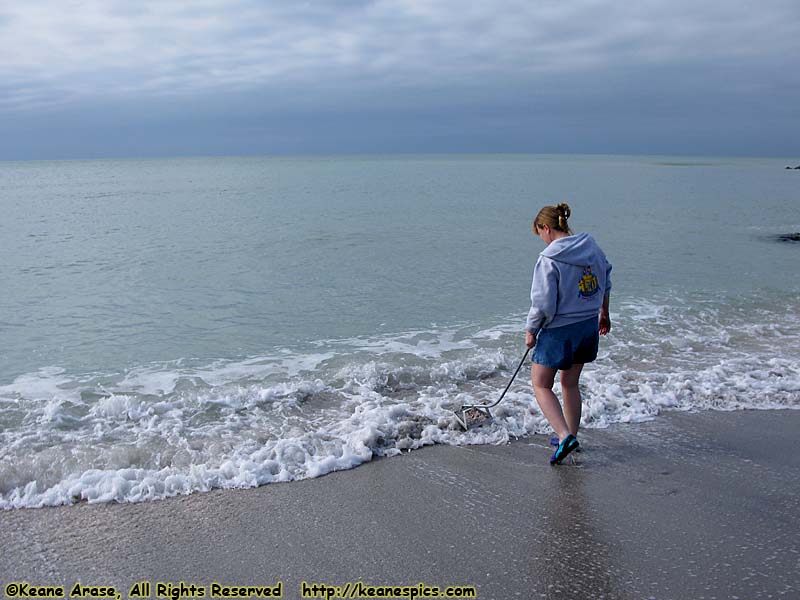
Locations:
{"points": [[473, 415]]}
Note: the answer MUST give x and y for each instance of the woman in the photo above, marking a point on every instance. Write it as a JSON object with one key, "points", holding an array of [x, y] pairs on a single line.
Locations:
{"points": [[569, 308]]}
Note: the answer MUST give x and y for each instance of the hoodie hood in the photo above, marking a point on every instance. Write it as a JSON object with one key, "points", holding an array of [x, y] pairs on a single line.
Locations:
{"points": [[579, 250], [570, 280]]}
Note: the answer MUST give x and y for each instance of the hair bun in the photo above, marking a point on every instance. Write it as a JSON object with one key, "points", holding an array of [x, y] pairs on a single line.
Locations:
{"points": [[554, 217]]}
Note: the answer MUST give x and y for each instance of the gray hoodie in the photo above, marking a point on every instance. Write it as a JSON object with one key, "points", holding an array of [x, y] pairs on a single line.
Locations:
{"points": [[570, 279]]}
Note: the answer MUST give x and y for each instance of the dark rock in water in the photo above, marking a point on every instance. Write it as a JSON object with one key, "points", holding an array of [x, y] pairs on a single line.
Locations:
{"points": [[795, 168], [789, 237]]}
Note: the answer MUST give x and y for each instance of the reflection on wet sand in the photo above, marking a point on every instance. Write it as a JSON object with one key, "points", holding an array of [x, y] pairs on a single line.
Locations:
{"points": [[574, 559]]}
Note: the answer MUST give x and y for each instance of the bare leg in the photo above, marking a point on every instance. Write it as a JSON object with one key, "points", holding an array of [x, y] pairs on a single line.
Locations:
{"points": [[572, 397], [542, 379]]}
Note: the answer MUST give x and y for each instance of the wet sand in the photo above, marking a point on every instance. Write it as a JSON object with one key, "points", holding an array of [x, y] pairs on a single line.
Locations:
{"points": [[699, 505]]}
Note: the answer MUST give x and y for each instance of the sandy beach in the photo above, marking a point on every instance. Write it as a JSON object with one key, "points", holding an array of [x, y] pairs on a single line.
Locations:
{"points": [[688, 506]]}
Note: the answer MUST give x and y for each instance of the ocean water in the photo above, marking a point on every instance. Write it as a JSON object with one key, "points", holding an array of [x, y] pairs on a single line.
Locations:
{"points": [[176, 325]]}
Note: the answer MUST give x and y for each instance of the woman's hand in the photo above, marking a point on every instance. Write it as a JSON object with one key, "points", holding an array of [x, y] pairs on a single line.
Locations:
{"points": [[604, 322], [530, 339]]}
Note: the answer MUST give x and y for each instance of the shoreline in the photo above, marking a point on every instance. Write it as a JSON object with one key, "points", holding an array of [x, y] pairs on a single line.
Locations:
{"points": [[688, 505]]}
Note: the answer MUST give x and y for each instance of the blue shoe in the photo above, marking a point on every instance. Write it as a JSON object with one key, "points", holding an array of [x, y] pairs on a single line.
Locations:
{"points": [[554, 442], [567, 445]]}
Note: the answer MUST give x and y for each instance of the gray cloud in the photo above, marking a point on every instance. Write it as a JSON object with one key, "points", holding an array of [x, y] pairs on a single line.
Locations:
{"points": [[414, 61]]}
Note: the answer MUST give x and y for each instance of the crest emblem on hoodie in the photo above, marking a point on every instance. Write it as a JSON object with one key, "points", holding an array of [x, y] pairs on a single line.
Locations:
{"points": [[587, 285]]}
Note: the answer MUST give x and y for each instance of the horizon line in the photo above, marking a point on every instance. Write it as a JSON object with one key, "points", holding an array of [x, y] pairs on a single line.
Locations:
{"points": [[398, 154]]}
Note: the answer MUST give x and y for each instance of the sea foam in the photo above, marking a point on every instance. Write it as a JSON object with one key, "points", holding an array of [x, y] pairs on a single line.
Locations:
{"points": [[162, 430]]}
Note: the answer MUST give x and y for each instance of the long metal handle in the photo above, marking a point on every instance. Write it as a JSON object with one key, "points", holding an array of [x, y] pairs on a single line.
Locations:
{"points": [[514, 376]]}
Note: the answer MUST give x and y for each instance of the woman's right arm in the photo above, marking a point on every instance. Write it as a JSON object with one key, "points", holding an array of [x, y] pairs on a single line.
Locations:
{"points": [[604, 319]]}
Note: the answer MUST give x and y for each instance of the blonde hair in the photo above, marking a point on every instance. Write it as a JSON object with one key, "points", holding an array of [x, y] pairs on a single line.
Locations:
{"points": [[555, 217]]}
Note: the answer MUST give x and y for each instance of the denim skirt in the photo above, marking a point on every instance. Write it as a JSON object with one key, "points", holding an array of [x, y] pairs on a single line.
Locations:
{"points": [[562, 347]]}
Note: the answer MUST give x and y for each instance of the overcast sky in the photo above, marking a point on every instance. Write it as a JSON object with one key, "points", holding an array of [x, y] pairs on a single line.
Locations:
{"points": [[108, 78]]}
